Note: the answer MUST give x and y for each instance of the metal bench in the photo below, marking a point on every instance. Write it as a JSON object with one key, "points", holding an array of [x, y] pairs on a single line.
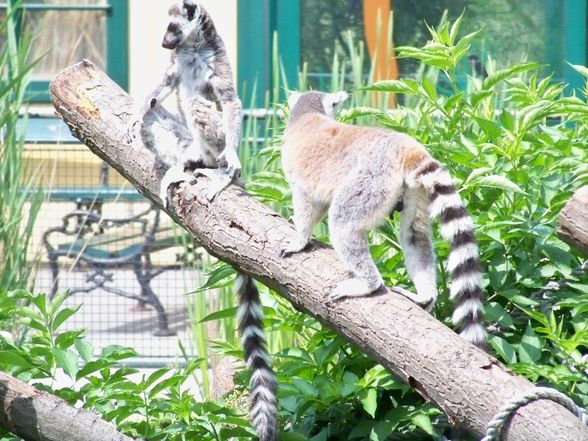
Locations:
{"points": [[98, 245]]}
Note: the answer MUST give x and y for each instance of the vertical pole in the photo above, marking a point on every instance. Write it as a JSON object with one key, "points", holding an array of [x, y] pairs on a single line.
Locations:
{"points": [[288, 27], [575, 40], [117, 49]]}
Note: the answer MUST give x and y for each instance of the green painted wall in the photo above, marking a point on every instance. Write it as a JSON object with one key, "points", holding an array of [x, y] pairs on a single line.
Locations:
{"points": [[258, 21]]}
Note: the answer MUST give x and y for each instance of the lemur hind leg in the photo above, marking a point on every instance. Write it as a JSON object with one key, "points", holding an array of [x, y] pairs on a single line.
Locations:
{"points": [[415, 239], [209, 122], [306, 216], [174, 143], [356, 209]]}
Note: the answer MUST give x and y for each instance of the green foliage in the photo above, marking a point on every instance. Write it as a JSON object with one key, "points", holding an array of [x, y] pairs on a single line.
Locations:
{"points": [[158, 406], [514, 143], [18, 209], [503, 139]]}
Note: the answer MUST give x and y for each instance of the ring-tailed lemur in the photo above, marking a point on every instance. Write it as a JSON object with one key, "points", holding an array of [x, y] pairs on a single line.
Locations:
{"points": [[199, 68], [359, 175], [206, 134]]}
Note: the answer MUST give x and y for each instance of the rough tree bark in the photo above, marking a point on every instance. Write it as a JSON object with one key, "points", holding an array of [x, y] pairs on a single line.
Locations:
{"points": [[467, 384], [573, 220], [34, 415]]}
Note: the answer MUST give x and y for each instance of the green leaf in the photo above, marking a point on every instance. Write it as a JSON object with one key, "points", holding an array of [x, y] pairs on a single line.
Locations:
{"points": [[68, 338], [68, 361], [530, 347], [305, 387], [394, 86], [501, 182], [361, 430], [382, 430], [424, 422], [369, 400], [85, 349], [220, 315], [508, 72], [11, 358], [174, 380], [582, 70], [219, 275], [503, 349], [495, 312], [154, 377], [62, 316], [291, 436], [350, 385]]}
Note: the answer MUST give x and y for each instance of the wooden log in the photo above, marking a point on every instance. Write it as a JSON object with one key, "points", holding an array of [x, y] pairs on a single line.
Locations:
{"points": [[34, 415], [573, 221], [466, 383]]}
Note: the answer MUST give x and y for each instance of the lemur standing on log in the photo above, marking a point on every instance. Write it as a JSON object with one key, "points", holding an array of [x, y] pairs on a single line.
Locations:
{"points": [[206, 134], [359, 175]]}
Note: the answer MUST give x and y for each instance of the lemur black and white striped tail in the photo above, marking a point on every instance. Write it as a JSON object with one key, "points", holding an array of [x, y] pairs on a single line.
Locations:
{"points": [[463, 263], [264, 408]]}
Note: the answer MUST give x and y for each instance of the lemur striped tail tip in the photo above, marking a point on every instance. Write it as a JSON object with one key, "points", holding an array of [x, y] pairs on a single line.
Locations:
{"points": [[463, 264], [263, 412]]}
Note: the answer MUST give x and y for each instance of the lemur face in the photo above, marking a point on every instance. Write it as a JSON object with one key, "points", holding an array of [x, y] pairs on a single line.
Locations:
{"points": [[183, 23], [315, 102]]}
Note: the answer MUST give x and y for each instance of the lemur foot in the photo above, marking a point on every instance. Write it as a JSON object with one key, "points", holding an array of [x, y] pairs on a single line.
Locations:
{"points": [[352, 288], [133, 130], [173, 177], [293, 248], [219, 180], [185, 198], [229, 160], [426, 304]]}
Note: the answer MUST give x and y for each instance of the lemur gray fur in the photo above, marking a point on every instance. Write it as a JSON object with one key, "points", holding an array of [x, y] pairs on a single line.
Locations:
{"points": [[359, 175], [206, 134], [200, 75]]}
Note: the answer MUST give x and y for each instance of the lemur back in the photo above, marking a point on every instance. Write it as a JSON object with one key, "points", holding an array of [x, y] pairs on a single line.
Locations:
{"points": [[206, 133], [359, 175]]}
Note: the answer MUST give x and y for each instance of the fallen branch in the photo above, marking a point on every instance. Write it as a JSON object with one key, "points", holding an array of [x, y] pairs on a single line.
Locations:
{"points": [[467, 384], [573, 221], [34, 415]]}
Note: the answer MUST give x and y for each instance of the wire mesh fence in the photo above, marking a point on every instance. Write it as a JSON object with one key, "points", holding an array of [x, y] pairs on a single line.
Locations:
{"points": [[120, 259]]}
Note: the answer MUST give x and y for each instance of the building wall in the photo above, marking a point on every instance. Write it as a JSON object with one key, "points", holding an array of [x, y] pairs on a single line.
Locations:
{"points": [[147, 24]]}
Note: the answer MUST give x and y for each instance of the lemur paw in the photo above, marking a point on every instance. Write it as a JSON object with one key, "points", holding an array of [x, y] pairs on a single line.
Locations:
{"points": [[351, 288], [426, 304], [173, 177], [219, 180], [133, 130], [293, 248], [230, 160], [202, 108]]}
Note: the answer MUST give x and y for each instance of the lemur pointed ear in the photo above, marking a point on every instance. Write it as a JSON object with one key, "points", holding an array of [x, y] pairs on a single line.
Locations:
{"points": [[192, 9], [293, 99], [338, 98], [333, 100]]}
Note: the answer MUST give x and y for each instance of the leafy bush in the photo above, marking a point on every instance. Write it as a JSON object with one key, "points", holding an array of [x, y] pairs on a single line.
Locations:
{"points": [[514, 143], [157, 407]]}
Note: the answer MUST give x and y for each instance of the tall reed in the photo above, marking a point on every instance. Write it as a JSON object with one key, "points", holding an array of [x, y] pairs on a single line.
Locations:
{"points": [[19, 204]]}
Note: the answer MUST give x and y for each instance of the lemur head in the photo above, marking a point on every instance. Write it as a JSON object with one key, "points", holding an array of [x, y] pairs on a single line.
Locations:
{"points": [[315, 102], [184, 24]]}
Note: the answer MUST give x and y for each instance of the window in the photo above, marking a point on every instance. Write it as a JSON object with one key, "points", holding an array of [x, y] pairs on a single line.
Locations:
{"points": [[66, 31], [551, 32]]}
